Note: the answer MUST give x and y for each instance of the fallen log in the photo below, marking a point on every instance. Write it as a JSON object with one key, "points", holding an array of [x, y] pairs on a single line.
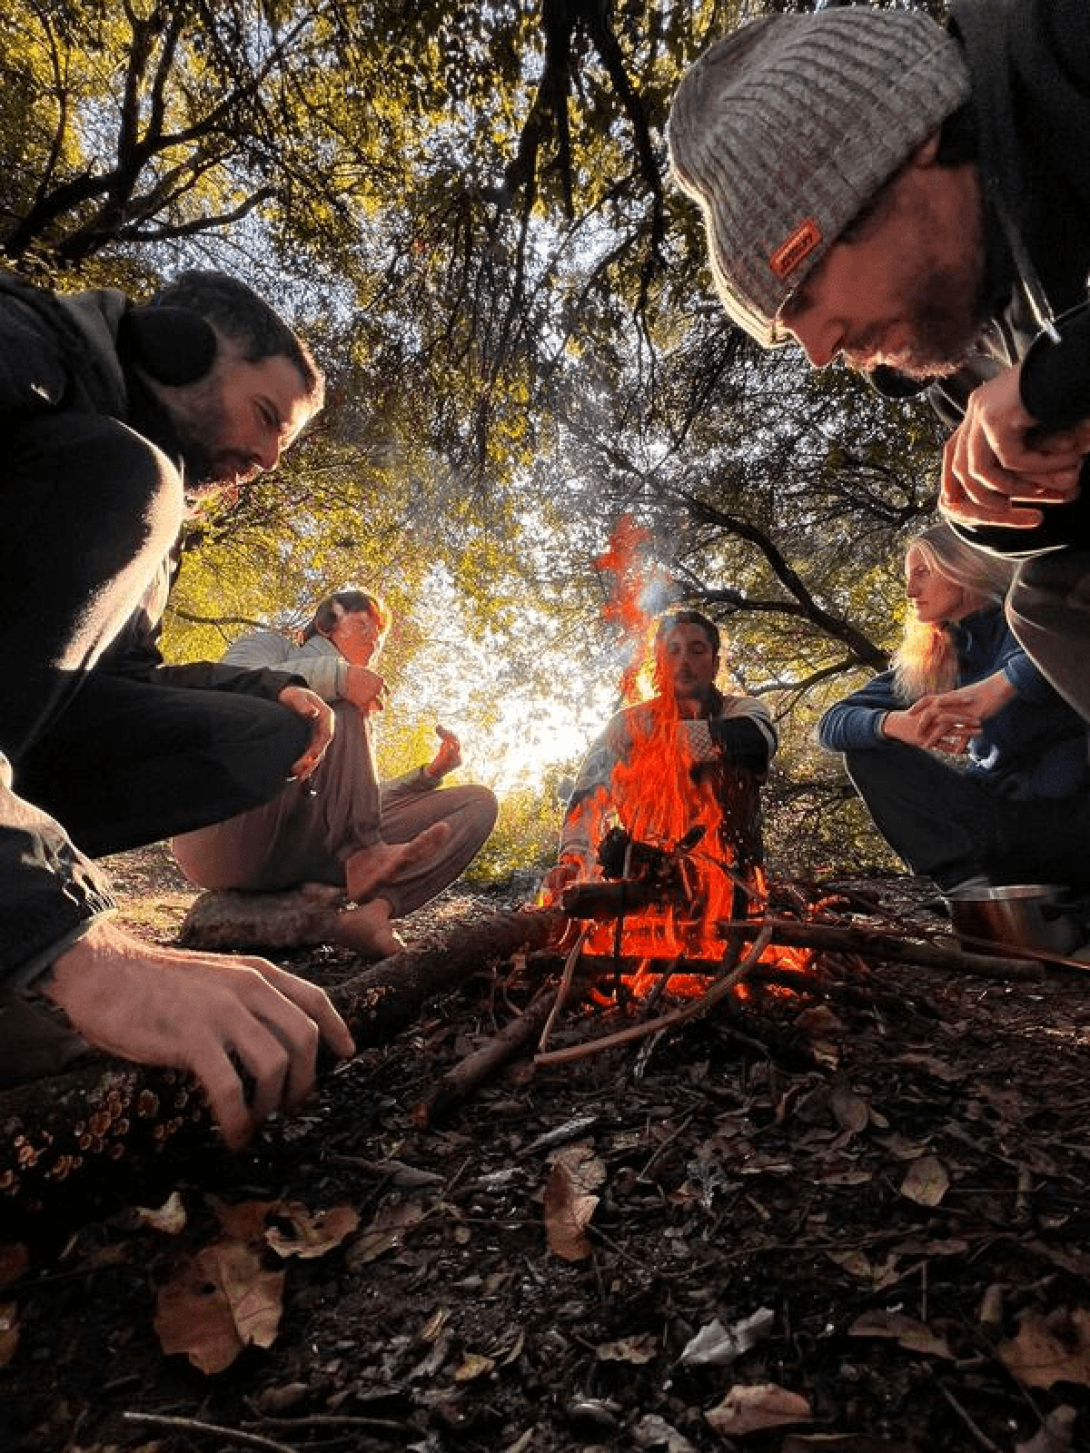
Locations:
{"points": [[74, 1127], [874, 944]]}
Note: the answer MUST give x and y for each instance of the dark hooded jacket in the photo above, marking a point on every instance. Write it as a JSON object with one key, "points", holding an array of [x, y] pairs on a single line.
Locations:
{"points": [[1029, 61], [80, 354]]}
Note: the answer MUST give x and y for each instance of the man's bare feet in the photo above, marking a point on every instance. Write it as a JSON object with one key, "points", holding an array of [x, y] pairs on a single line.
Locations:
{"points": [[371, 867], [367, 930]]}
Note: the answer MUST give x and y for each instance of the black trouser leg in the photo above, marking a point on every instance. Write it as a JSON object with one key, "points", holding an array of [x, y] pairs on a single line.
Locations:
{"points": [[950, 826], [131, 762]]}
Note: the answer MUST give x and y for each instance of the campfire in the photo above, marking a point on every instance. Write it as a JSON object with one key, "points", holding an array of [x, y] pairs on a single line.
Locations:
{"points": [[678, 902], [679, 849]]}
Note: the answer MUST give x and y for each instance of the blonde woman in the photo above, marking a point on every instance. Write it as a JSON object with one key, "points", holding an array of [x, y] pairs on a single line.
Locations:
{"points": [[973, 768]]}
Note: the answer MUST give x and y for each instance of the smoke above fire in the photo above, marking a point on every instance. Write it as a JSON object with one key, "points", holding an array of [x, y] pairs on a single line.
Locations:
{"points": [[639, 591]]}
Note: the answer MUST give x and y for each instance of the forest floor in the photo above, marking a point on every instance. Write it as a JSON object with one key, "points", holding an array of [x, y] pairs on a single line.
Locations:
{"points": [[844, 1217]]}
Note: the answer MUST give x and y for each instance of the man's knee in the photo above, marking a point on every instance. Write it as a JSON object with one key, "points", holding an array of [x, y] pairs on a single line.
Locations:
{"points": [[268, 741]]}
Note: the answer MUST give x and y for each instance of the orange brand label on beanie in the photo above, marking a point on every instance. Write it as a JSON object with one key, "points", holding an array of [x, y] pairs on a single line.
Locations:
{"points": [[806, 236]]}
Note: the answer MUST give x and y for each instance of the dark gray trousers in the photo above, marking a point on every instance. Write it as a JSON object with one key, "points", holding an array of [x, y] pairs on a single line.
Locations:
{"points": [[1049, 612], [949, 826]]}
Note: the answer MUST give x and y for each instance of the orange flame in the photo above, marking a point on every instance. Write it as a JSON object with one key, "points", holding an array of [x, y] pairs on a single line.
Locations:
{"points": [[659, 795], [623, 558]]}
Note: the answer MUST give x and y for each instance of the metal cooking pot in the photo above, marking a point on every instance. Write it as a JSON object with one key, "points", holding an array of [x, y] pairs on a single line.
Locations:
{"points": [[1020, 915]]}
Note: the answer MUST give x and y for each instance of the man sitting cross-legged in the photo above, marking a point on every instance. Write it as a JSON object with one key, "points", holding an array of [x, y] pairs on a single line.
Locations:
{"points": [[690, 742]]}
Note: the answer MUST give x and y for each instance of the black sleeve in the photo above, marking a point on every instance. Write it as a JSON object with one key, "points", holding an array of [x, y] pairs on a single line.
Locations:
{"points": [[1055, 381], [742, 742], [48, 890], [135, 654]]}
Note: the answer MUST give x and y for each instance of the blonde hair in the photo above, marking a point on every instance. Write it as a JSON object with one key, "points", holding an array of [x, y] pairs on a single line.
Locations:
{"points": [[926, 661]]}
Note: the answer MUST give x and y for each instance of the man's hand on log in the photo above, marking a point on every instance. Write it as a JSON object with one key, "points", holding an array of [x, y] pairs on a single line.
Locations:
{"points": [[220, 1018]]}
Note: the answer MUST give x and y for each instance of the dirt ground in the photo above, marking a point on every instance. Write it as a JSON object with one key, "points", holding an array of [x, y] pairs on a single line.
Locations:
{"points": [[844, 1215]]}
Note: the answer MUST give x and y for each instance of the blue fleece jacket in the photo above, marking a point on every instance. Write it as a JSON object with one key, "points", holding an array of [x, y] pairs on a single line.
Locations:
{"points": [[1035, 746]]}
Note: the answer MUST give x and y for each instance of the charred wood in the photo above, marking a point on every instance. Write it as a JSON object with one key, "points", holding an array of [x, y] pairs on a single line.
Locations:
{"points": [[870, 943]]}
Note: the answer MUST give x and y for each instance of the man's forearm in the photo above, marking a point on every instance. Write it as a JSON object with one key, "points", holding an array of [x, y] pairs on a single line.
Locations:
{"points": [[49, 892]]}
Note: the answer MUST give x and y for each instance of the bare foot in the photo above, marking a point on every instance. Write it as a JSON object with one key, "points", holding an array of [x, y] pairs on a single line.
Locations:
{"points": [[367, 930], [369, 868]]}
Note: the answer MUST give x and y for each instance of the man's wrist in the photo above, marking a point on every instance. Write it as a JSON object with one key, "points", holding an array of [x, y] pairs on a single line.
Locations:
{"points": [[1054, 381]]}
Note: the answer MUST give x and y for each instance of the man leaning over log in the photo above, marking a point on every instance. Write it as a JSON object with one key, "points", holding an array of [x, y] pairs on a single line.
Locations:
{"points": [[112, 416], [916, 202], [659, 759]]}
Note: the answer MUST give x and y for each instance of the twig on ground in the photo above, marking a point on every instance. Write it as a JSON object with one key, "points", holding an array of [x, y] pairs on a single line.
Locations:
{"points": [[564, 988], [977, 1432], [194, 1425], [869, 944], [693, 1010], [472, 1071]]}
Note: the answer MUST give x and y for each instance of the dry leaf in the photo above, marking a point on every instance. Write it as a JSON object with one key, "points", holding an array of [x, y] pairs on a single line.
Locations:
{"points": [[221, 1301], [567, 1213], [643, 1348], [1050, 1349], [9, 1331], [856, 1263], [385, 1233], [657, 1434], [851, 1110], [473, 1365], [718, 1346], [749, 1409], [169, 1218], [310, 1233], [587, 1171], [926, 1182], [939, 1069], [906, 1331]]}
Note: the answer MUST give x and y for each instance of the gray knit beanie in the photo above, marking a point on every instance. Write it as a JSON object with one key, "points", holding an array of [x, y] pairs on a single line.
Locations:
{"points": [[785, 130]]}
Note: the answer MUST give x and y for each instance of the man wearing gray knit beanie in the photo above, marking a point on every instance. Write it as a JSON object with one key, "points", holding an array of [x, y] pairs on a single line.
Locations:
{"points": [[915, 201]]}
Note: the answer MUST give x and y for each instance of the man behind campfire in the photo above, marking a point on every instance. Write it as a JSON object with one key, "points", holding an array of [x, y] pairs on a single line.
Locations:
{"points": [[690, 756]]}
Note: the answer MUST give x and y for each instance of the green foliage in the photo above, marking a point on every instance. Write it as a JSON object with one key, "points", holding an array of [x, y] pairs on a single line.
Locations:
{"points": [[525, 835], [466, 211]]}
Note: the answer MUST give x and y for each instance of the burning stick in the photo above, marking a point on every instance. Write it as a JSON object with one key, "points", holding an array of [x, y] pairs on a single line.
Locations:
{"points": [[693, 1010], [871, 944]]}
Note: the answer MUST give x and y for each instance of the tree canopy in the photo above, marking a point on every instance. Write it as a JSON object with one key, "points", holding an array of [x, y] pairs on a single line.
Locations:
{"points": [[467, 211]]}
